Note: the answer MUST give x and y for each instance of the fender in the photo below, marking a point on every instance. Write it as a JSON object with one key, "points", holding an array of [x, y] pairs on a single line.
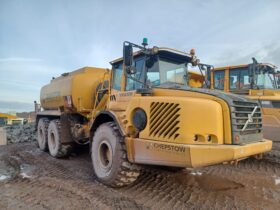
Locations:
{"points": [[51, 114], [106, 116]]}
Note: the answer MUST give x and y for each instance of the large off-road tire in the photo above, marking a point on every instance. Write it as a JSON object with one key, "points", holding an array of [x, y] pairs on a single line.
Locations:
{"points": [[56, 148], [109, 157], [42, 134]]}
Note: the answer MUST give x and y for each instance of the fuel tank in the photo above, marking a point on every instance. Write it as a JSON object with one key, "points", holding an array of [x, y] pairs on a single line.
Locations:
{"points": [[74, 91]]}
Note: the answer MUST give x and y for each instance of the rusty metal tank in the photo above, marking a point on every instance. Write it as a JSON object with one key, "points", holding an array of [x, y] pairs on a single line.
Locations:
{"points": [[74, 91]]}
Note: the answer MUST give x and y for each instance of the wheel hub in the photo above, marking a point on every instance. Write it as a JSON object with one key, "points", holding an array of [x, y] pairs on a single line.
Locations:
{"points": [[105, 155]]}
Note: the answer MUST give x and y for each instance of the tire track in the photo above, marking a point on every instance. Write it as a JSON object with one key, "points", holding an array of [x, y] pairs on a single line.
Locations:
{"points": [[69, 183]]}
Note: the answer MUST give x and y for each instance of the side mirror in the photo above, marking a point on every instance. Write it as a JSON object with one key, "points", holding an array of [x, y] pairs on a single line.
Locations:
{"points": [[128, 58]]}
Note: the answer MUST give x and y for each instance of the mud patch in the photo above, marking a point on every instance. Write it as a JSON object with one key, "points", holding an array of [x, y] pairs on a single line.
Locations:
{"points": [[216, 183], [9, 169], [207, 182], [26, 170], [69, 184]]}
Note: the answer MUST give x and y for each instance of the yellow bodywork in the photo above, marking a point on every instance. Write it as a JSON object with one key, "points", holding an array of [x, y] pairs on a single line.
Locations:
{"points": [[76, 90], [182, 155], [198, 116], [210, 117]]}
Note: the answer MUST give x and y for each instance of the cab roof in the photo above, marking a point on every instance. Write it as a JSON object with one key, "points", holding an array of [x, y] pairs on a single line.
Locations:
{"points": [[162, 50], [243, 66]]}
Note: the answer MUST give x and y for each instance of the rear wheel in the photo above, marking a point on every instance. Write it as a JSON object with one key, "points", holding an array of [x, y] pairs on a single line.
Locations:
{"points": [[42, 134], [109, 158], [56, 148]]}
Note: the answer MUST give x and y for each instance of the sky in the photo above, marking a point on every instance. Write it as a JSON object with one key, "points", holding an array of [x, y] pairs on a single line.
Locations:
{"points": [[40, 39]]}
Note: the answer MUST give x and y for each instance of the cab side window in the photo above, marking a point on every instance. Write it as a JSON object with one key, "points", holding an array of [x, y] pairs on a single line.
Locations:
{"points": [[219, 77], [239, 79], [117, 76], [244, 79], [132, 84], [234, 79]]}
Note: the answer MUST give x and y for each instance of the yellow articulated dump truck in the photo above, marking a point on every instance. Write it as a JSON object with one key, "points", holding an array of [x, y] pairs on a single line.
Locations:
{"points": [[138, 113], [258, 81]]}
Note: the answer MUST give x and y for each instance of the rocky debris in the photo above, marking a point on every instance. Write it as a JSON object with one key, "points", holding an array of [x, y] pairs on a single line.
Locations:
{"points": [[21, 133]]}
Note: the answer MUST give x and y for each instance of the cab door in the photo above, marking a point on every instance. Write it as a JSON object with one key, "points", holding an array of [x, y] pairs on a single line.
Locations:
{"points": [[219, 80], [239, 82], [124, 88]]}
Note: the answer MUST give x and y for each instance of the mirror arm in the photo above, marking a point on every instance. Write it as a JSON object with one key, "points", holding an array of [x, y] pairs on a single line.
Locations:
{"points": [[186, 75], [133, 45], [206, 76]]}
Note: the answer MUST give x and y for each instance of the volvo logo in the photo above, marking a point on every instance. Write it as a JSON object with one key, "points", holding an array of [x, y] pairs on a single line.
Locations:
{"points": [[250, 118]]}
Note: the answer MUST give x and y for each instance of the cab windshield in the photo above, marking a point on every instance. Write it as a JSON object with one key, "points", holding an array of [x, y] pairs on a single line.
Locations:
{"points": [[265, 80], [266, 77], [155, 70], [167, 71]]}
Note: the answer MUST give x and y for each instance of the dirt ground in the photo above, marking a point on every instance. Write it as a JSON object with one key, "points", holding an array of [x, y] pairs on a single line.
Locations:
{"points": [[31, 179], [273, 134]]}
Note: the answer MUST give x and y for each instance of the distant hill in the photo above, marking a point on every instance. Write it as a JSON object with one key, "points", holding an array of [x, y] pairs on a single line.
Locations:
{"points": [[14, 106], [26, 115]]}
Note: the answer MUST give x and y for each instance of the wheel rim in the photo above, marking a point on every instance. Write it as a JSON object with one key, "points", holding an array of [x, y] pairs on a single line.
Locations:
{"points": [[105, 155]]}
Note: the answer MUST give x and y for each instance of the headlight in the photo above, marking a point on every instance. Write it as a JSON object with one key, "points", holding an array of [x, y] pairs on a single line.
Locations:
{"points": [[139, 119]]}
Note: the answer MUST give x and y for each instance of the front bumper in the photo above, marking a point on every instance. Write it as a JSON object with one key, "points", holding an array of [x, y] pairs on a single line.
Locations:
{"points": [[145, 151], [226, 153]]}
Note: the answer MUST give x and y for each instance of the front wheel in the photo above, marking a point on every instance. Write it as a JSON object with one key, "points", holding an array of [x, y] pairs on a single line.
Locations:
{"points": [[109, 157]]}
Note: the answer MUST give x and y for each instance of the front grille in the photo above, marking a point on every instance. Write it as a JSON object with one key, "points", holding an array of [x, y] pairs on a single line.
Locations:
{"points": [[240, 115], [164, 120]]}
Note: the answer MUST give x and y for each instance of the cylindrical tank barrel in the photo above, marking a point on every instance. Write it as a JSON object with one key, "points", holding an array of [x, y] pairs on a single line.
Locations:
{"points": [[75, 90]]}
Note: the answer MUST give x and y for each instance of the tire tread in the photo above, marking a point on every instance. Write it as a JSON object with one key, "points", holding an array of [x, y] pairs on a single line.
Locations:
{"points": [[46, 123], [64, 150], [127, 172]]}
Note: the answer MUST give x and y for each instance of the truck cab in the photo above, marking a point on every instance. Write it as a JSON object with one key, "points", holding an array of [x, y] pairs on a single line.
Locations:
{"points": [[258, 81]]}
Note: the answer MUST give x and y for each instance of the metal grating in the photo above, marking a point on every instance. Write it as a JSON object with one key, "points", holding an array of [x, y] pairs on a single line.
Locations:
{"points": [[275, 104], [164, 120], [240, 115]]}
